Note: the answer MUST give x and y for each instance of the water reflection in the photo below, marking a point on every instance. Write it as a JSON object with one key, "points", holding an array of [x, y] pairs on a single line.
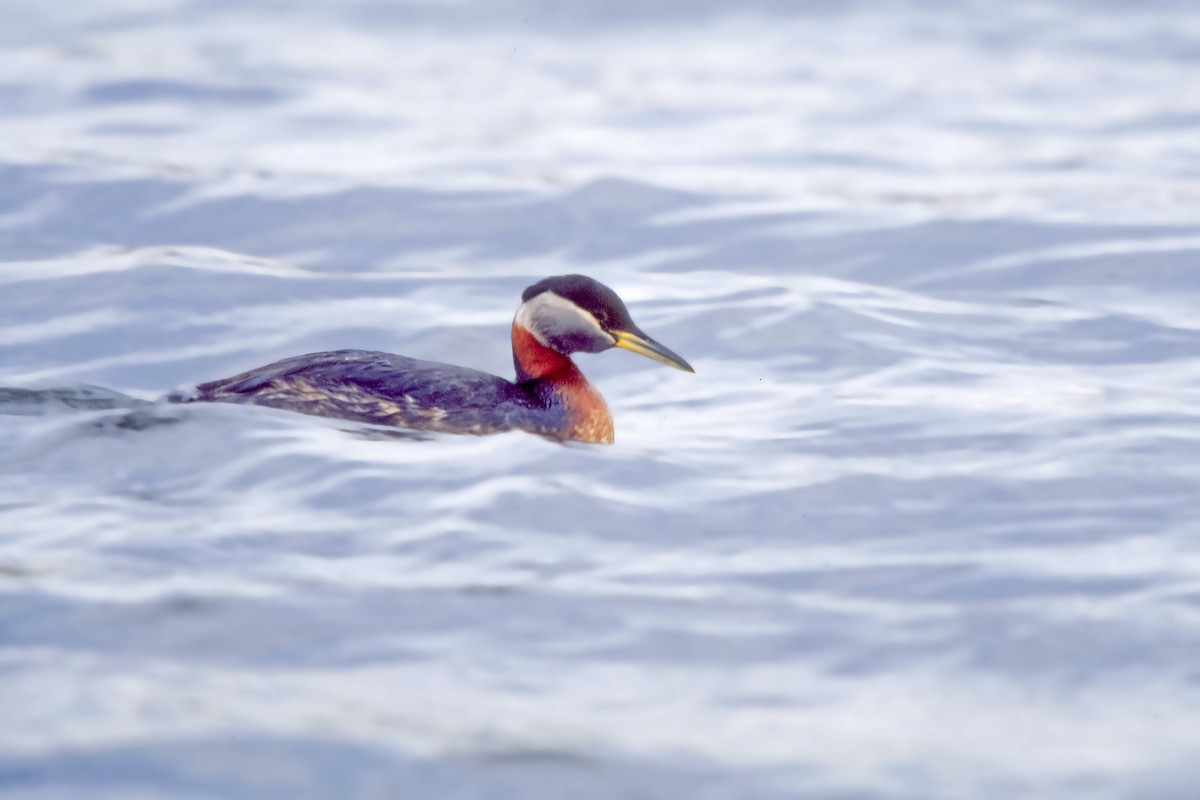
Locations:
{"points": [[921, 525], [879, 504]]}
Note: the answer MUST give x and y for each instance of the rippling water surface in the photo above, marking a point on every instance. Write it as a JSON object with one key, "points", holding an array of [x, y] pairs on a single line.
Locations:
{"points": [[923, 524]]}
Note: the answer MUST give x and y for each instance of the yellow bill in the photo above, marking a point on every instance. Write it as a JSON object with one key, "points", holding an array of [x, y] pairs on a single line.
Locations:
{"points": [[643, 345]]}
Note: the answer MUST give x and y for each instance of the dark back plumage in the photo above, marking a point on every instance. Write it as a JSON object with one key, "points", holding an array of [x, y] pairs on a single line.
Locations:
{"points": [[387, 389]]}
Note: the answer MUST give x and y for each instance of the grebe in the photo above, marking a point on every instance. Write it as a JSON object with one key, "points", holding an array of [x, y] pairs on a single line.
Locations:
{"points": [[557, 317]]}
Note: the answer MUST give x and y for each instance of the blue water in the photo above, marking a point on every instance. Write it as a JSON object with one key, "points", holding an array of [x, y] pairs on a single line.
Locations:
{"points": [[923, 524]]}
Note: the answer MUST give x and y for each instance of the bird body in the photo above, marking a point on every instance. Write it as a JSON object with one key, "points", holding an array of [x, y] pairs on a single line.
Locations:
{"points": [[386, 389], [550, 396]]}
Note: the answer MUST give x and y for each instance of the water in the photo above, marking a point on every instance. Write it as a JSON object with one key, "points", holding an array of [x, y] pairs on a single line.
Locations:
{"points": [[923, 524]]}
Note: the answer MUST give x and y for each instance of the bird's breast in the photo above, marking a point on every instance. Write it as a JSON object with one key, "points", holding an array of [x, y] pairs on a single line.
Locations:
{"points": [[587, 418]]}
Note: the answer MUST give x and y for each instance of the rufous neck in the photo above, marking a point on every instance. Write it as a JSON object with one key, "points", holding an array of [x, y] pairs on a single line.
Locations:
{"points": [[588, 419], [535, 360]]}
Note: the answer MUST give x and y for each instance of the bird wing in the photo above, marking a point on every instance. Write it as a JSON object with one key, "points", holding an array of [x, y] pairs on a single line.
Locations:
{"points": [[383, 388]]}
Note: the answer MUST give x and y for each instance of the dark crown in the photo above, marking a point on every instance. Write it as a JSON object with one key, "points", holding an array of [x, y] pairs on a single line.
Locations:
{"points": [[590, 295]]}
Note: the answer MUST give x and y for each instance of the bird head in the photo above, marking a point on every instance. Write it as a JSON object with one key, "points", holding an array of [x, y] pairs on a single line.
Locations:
{"points": [[576, 314]]}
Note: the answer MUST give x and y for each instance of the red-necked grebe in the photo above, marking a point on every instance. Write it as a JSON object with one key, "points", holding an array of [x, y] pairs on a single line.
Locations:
{"points": [[557, 317]]}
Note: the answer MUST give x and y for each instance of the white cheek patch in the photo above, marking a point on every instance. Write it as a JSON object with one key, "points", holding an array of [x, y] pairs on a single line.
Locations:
{"points": [[547, 314]]}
